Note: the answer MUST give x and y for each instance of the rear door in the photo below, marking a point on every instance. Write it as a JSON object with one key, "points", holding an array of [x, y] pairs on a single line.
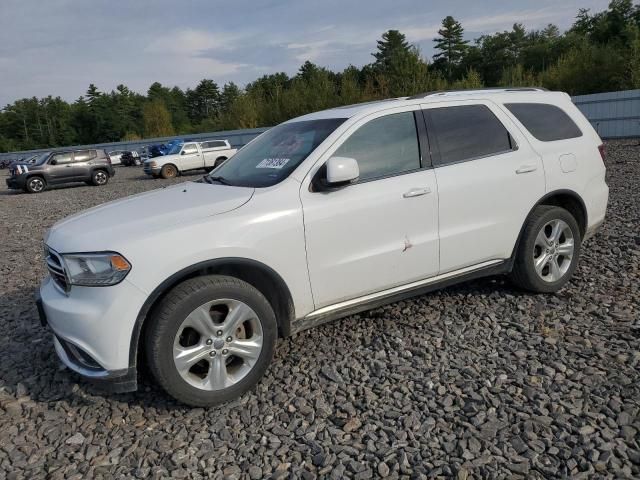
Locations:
{"points": [[82, 164], [488, 178]]}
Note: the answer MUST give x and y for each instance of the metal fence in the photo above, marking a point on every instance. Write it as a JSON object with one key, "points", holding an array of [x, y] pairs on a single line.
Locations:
{"points": [[612, 114], [237, 138]]}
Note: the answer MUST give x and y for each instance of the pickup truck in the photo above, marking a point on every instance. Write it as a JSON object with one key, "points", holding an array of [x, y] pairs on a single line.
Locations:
{"points": [[189, 156]]}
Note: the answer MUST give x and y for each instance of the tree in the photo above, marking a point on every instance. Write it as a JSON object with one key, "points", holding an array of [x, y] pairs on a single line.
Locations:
{"points": [[156, 120], [393, 45], [451, 44]]}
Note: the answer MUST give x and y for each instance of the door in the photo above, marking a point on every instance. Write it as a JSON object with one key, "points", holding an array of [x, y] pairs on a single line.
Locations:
{"points": [[190, 157], [488, 178], [82, 164], [382, 230], [61, 168]]}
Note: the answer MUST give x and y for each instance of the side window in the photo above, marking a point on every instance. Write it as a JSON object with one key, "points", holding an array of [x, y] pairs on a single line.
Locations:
{"points": [[189, 148], [84, 155], [218, 144], [545, 122], [384, 146], [62, 158], [467, 132]]}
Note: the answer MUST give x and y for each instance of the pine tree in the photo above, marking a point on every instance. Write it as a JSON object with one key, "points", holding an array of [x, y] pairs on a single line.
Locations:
{"points": [[450, 44], [393, 45]]}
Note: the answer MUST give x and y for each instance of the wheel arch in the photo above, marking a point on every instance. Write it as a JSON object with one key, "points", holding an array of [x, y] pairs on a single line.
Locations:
{"points": [[257, 274], [567, 199]]}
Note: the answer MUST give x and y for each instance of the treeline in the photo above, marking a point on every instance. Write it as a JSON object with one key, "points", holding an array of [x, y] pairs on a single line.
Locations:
{"points": [[600, 52]]}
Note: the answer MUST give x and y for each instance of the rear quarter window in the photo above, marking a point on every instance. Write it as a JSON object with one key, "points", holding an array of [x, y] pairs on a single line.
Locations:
{"points": [[545, 122]]}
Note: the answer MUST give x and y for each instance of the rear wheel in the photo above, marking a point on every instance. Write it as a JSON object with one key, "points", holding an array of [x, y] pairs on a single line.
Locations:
{"points": [[35, 185], [211, 339], [549, 250], [169, 171], [99, 178]]}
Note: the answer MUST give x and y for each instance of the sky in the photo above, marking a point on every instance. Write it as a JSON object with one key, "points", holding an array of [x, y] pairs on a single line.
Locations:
{"points": [[59, 47]]}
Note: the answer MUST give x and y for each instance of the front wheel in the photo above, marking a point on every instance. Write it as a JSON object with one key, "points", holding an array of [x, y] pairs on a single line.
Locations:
{"points": [[169, 171], [210, 340], [35, 185], [549, 249]]}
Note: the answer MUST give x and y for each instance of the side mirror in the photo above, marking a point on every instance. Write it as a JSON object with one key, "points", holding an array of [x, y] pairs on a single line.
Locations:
{"points": [[341, 171], [53, 162], [183, 152]]}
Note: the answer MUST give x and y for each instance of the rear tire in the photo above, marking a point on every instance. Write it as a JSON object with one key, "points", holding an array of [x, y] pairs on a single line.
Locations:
{"points": [[210, 340], [35, 184], [549, 250], [169, 171], [99, 178]]}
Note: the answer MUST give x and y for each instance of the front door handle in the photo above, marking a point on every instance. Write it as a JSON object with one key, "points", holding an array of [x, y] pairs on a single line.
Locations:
{"points": [[416, 192], [526, 169]]}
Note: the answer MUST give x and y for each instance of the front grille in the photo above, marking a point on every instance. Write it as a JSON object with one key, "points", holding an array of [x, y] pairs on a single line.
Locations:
{"points": [[57, 271]]}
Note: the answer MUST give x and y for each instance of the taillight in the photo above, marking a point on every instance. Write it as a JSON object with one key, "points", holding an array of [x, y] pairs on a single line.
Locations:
{"points": [[603, 151]]}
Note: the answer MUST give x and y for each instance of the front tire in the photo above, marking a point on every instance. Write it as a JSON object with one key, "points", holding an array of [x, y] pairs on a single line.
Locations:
{"points": [[210, 340], [35, 184], [549, 250], [169, 171]]}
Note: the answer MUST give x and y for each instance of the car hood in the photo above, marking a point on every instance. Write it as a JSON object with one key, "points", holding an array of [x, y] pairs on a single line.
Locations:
{"points": [[107, 226]]}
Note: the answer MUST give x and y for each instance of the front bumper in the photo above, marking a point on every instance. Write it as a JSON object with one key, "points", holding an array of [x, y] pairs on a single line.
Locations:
{"points": [[151, 170], [93, 328], [17, 183]]}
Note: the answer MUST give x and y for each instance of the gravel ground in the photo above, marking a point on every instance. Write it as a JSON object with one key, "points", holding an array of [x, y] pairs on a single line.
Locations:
{"points": [[476, 381]]}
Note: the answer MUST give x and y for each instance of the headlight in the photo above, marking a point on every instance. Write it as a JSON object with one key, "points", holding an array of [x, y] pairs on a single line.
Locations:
{"points": [[96, 269]]}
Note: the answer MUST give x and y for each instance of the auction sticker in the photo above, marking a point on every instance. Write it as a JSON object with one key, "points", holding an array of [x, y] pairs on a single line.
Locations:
{"points": [[276, 163]]}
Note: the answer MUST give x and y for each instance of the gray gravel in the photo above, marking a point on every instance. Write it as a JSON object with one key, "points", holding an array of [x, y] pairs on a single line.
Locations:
{"points": [[476, 381]]}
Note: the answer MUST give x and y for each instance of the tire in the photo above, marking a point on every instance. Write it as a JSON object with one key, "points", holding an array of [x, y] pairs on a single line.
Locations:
{"points": [[99, 178], [552, 241], [171, 330], [169, 171], [35, 184]]}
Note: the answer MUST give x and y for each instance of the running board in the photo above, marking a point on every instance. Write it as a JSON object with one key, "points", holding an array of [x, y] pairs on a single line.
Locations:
{"points": [[374, 300]]}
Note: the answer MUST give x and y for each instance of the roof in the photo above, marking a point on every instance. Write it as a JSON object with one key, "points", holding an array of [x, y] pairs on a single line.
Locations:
{"points": [[498, 94]]}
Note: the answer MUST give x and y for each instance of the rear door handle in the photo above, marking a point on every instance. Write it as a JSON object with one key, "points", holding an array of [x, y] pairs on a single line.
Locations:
{"points": [[526, 169], [416, 192]]}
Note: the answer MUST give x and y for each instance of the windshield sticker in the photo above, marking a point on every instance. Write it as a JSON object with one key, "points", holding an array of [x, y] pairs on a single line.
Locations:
{"points": [[276, 163]]}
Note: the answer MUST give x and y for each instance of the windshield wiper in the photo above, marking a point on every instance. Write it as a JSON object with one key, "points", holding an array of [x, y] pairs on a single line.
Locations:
{"points": [[220, 179]]}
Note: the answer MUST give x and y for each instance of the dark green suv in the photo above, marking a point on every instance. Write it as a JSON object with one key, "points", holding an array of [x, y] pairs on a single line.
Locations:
{"points": [[92, 166]]}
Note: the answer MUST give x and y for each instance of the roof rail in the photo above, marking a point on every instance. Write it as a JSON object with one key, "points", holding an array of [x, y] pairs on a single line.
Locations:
{"points": [[477, 90]]}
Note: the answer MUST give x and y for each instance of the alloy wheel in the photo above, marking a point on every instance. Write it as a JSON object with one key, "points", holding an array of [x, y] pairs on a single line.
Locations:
{"points": [[553, 250], [218, 344], [100, 178], [36, 184]]}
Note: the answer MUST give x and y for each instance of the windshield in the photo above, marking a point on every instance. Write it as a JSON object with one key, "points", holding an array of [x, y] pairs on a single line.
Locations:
{"points": [[275, 154], [42, 158], [174, 149]]}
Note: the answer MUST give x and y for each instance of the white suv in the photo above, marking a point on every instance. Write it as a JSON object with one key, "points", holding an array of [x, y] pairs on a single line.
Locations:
{"points": [[322, 216]]}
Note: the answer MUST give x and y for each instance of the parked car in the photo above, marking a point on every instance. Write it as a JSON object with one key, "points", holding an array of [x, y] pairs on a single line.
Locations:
{"points": [[4, 164], [189, 156], [130, 159], [320, 217], [28, 160], [116, 156], [92, 166]]}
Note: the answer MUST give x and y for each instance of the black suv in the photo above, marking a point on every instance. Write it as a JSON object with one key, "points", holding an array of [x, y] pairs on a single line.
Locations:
{"points": [[53, 168]]}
